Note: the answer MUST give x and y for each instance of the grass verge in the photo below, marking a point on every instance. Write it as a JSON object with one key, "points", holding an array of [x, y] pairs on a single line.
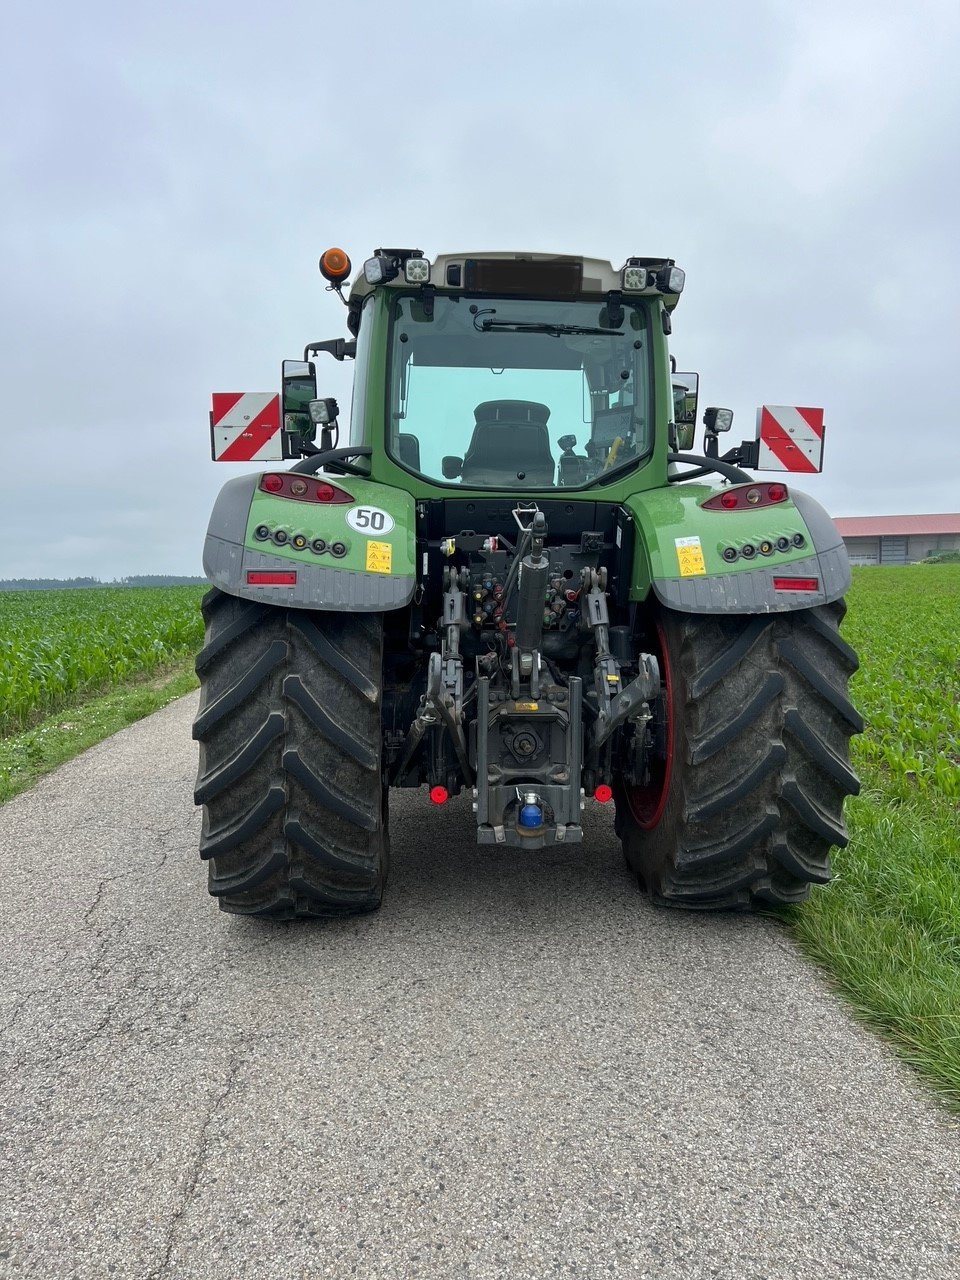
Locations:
{"points": [[25, 757], [888, 927]]}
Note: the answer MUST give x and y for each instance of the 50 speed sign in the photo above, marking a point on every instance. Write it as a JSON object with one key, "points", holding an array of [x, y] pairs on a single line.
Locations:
{"points": [[370, 521]]}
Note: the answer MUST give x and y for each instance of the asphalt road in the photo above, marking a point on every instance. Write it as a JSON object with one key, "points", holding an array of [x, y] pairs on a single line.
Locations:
{"points": [[516, 1069]]}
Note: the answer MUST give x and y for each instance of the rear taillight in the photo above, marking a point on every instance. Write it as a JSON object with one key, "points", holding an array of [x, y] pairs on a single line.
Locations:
{"points": [[288, 484], [796, 584], [746, 497]]}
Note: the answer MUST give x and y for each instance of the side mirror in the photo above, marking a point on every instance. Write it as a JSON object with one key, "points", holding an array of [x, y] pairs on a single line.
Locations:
{"points": [[451, 467], [717, 420], [686, 388], [684, 435], [299, 380], [299, 386]]}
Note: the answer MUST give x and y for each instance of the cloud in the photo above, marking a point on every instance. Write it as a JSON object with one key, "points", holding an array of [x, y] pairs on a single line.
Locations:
{"points": [[175, 172]]}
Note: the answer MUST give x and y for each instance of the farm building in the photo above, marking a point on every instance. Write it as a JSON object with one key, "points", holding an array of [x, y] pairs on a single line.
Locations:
{"points": [[898, 539]]}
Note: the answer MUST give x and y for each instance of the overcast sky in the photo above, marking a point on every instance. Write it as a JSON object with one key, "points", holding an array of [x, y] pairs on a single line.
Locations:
{"points": [[172, 173]]}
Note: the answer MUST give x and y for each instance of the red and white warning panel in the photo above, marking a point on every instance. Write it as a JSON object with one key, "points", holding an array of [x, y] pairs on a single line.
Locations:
{"points": [[789, 438], [245, 427]]}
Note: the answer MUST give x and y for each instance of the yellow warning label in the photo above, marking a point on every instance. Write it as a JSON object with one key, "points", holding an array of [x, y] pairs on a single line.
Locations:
{"points": [[527, 706], [690, 557], [379, 557]]}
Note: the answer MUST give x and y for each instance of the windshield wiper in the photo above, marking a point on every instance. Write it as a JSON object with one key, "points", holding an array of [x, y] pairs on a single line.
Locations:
{"points": [[483, 324]]}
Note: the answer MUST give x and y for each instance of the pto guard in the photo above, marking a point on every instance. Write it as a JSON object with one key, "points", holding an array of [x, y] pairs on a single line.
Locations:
{"points": [[679, 553], [375, 529]]}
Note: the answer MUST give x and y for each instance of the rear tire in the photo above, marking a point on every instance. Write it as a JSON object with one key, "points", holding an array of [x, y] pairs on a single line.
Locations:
{"points": [[746, 799], [294, 820]]}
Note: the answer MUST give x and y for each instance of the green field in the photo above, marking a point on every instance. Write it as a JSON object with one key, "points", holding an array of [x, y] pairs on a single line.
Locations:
{"points": [[58, 648], [888, 926]]}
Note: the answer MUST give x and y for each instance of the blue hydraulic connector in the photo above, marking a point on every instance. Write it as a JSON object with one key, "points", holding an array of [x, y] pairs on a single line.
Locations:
{"points": [[531, 815]]}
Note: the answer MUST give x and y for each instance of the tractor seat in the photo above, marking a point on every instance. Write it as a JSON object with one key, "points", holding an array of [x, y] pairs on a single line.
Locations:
{"points": [[509, 440]]}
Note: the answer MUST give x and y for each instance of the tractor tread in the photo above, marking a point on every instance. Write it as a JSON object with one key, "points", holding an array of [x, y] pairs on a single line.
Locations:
{"points": [[816, 678], [243, 826], [250, 616], [296, 691], [760, 762], [335, 657], [824, 757], [249, 682], [719, 735], [725, 661], [325, 794], [737, 789], [290, 779], [327, 853], [234, 767]]}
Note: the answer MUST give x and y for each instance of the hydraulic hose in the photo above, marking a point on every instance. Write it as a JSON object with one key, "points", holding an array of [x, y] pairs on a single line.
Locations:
{"points": [[705, 465], [312, 464]]}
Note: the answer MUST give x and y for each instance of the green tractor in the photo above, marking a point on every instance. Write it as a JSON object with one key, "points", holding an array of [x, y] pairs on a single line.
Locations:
{"points": [[509, 576]]}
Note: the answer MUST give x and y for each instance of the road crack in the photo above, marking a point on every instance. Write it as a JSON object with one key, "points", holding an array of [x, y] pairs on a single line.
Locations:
{"points": [[234, 1063]]}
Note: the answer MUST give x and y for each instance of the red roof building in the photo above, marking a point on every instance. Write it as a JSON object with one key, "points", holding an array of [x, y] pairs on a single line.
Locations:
{"points": [[898, 539]]}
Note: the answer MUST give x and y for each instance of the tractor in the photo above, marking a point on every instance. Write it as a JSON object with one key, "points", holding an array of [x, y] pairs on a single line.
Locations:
{"points": [[509, 576]]}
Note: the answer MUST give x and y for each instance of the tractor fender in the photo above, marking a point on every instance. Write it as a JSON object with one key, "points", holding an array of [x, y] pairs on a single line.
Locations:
{"points": [[358, 555], [679, 553]]}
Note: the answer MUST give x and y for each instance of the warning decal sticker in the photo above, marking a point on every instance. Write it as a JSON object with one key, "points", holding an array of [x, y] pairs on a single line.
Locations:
{"points": [[690, 557], [379, 557]]}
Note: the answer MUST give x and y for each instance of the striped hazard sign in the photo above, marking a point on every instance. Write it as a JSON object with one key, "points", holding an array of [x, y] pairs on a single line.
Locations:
{"points": [[789, 438], [245, 427]]}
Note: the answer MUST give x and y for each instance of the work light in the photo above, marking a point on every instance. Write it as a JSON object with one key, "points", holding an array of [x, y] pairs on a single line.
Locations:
{"points": [[323, 412], [671, 280], [379, 269], [634, 278], [416, 270]]}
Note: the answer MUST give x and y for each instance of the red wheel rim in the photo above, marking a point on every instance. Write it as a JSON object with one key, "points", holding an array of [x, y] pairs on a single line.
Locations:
{"points": [[648, 802]]}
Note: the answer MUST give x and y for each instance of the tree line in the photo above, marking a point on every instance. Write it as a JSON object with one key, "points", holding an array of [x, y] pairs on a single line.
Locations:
{"points": [[135, 580]]}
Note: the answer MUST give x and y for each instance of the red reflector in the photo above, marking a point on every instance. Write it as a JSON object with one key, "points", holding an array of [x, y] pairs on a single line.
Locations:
{"points": [[439, 795], [796, 584], [266, 578], [272, 484], [603, 793]]}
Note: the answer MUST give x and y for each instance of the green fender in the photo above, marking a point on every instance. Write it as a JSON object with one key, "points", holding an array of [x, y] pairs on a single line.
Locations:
{"points": [[253, 533], [678, 553]]}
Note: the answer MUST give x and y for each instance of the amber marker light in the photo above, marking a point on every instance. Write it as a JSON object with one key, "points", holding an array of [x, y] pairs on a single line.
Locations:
{"points": [[335, 265]]}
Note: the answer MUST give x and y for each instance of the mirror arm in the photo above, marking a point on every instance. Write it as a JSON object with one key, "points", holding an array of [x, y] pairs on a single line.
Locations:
{"points": [[339, 348], [746, 454]]}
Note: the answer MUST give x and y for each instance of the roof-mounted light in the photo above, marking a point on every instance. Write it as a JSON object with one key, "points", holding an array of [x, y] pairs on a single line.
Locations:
{"points": [[335, 265], [379, 269], [634, 279], [671, 280], [417, 271]]}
